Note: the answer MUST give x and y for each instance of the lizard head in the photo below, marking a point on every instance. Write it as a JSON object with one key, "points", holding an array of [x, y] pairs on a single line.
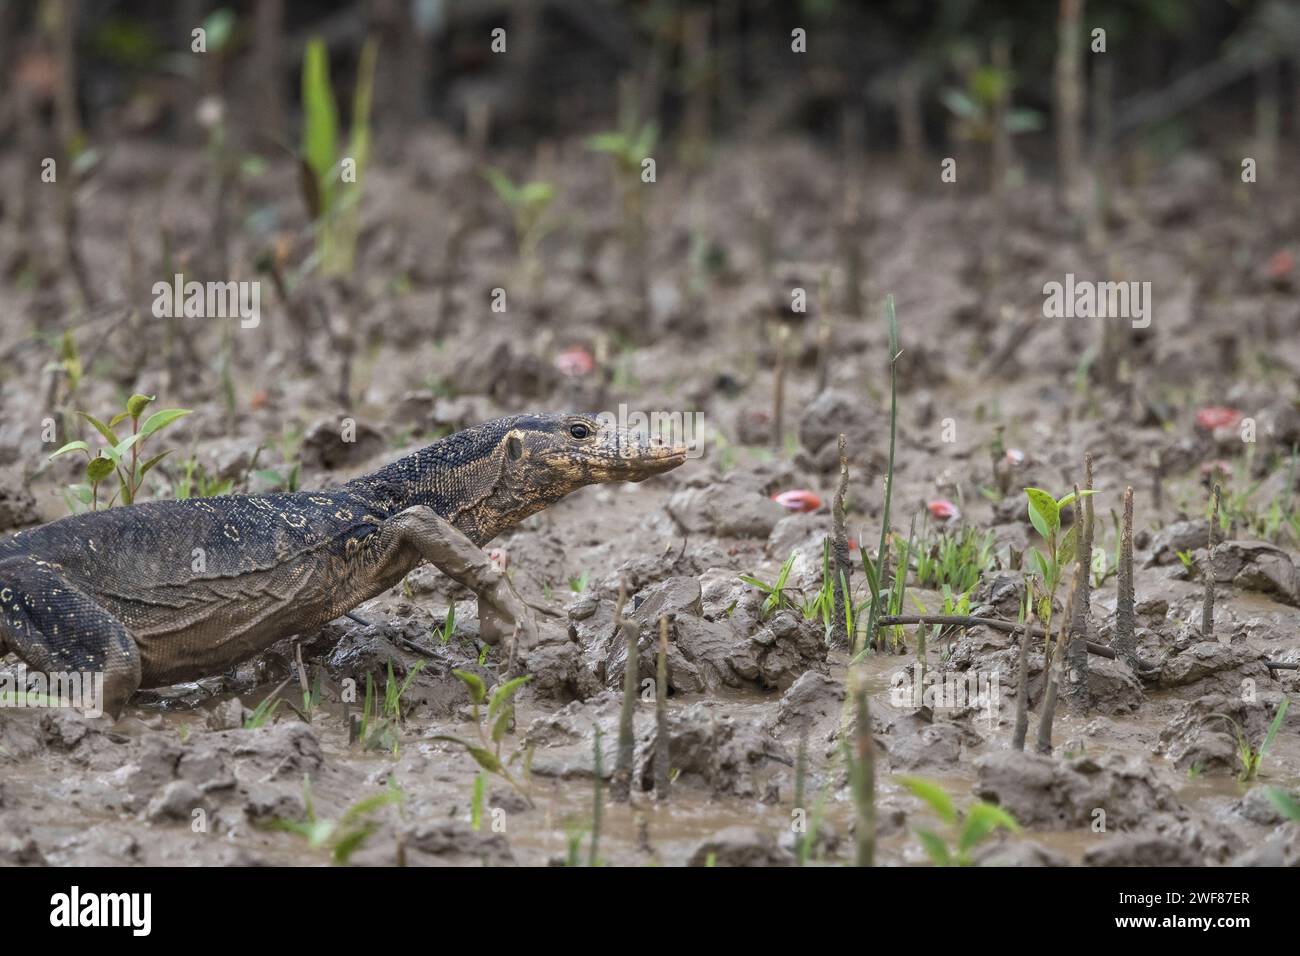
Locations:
{"points": [[566, 452]]}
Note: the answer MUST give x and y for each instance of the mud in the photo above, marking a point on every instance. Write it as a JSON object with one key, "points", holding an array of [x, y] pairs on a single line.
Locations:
{"points": [[1146, 776]]}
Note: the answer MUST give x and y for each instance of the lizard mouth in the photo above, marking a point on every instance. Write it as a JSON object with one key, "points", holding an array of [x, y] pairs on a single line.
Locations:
{"points": [[640, 459], [659, 459]]}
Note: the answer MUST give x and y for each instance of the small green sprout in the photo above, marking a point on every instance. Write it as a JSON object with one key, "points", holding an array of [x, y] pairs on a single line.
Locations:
{"points": [[1249, 757], [492, 731], [979, 822], [121, 457]]}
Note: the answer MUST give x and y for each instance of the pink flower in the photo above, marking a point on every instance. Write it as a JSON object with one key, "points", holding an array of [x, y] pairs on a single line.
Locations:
{"points": [[1213, 417], [1280, 266], [798, 500], [575, 361], [941, 509]]}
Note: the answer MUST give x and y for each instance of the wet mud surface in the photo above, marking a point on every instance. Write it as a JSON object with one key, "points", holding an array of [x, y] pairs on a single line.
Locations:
{"points": [[179, 780]]}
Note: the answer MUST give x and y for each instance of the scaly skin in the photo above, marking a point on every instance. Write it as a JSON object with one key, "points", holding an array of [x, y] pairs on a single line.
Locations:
{"points": [[167, 591]]}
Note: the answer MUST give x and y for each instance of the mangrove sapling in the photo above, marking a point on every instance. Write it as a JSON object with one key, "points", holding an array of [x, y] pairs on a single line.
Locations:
{"points": [[344, 836], [195, 482], [630, 149], [331, 179], [1076, 690], [874, 573], [663, 759], [528, 203], [266, 708], [843, 601], [597, 798], [776, 591], [120, 457], [1249, 757], [1207, 612], [1054, 658], [311, 690], [621, 783], [1125, 641], [1045, 516], [1022, 680], [861, 759], [967, 832], [380, 722], [448, 625], [492, 730]]}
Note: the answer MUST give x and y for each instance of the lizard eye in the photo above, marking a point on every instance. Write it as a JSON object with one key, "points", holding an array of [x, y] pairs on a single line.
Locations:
{"points": [[579, 430]]}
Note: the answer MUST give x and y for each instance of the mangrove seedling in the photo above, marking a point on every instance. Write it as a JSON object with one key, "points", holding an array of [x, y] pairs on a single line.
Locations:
{"points": [[344, 836], [967, 831], [528, 203], [1045, 516], [121, 457], [776, 591], [492, 730], [1249, 757]]}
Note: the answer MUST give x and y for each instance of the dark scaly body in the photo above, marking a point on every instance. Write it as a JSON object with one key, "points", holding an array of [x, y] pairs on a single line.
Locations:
{"points": [[197, 585]]}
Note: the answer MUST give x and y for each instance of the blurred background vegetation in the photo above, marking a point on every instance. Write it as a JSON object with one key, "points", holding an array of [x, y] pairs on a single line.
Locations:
{"points": [[700, 69]]}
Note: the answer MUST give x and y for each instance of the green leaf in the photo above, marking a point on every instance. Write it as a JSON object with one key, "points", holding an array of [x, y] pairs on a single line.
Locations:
{"points": [[502, 186], [1069, 499], [320, 119], [122, 447], [503, 692], [97, 469], [159, 420], [108, 433], [934, 847], [982, 819], [137, 403], [349, 842], [71, 446], [1275, 725], [486, 758], [960, 103], [1043, 512], [934, 795], [309, 183], [1044, 568], [607, 143], [219, 25], [359, 146], [1285, 803], [477, 690], [755, 582], [646, 141], [368, 805], [502, 724], [537, 194], [1065, 551], [148, 465]]}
